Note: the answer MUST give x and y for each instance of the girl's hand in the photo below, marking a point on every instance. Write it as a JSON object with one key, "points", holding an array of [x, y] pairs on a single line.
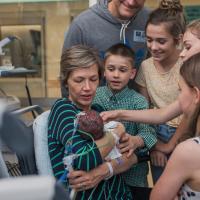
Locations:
{"points": [[158, 158], [110, 115]]}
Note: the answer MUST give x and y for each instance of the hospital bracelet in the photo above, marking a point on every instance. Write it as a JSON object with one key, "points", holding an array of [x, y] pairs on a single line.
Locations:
{"points": [[110, 170]]}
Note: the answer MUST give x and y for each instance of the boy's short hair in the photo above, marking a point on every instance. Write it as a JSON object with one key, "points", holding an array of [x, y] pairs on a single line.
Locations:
{"points": [[120, 50]]}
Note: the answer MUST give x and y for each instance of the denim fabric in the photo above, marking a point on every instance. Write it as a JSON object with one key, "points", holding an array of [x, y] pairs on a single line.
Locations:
{"points": [[165, 132], [157, 171]]}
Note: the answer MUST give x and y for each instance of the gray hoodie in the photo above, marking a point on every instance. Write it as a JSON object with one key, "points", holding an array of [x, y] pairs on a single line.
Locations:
{"points": [[96, 27]]}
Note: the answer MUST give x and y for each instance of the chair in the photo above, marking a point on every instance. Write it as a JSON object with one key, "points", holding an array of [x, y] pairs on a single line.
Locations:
{"points": [[30, 143], [3, 169], [40, 129], [26, 187], [26, 157], [18, 138], [39, 142], [32, 188]]}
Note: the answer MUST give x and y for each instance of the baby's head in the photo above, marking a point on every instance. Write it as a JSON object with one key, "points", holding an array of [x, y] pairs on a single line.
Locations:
{"points": [[91, 123]]}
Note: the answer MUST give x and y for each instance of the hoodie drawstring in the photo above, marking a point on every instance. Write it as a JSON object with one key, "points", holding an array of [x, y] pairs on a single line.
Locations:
{"points": [[123, 32]]}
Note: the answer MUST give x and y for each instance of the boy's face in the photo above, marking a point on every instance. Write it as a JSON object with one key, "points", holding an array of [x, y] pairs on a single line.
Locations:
{"points": [[118, 71]]}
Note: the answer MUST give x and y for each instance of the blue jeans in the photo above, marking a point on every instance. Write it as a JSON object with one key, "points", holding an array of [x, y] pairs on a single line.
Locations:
{"points": [[157, 171], [164, 133]]}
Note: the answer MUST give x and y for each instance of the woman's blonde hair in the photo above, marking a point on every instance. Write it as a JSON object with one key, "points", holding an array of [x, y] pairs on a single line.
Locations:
{"points": [[190, 71], [194, 27], [78, 56]]}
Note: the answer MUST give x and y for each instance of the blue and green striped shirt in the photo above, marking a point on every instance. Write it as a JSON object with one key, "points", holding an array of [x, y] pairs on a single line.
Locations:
{"points": [[60, 131]]}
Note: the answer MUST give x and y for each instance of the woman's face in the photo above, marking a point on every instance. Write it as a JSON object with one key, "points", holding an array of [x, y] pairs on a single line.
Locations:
{"points": [[82, 84], [191, 45], [160, 42]]}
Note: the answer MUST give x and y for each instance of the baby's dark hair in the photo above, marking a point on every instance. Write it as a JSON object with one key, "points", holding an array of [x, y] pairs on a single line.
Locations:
{"points": [[120, 50], [90, 124], [171, 13]]}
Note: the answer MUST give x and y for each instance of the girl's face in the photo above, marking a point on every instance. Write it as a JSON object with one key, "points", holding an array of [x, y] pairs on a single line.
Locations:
{"points": [[191, 45], [82, 84], [160, 42], [186, 96]]}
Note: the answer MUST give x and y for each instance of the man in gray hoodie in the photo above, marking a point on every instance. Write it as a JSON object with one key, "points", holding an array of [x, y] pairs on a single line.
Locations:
{"points": [[110, 22]]}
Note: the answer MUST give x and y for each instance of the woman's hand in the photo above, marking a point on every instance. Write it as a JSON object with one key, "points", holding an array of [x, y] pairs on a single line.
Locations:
{"points": [[158, 158], [82, 180], [129, 144], [110, 115]]}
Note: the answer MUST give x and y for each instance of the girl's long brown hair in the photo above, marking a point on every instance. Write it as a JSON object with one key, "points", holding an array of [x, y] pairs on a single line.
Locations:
{"points": [[190, 71]]}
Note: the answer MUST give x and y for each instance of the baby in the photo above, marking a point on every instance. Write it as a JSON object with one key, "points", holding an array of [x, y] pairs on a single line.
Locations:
{"points": [[92, 126]]}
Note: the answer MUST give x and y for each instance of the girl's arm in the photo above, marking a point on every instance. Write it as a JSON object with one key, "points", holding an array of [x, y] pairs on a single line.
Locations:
{"points": [[151, 116], [180, 167]]}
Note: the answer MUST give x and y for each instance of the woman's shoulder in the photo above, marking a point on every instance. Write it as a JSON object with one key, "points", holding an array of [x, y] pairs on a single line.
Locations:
{"points": [[187, 145], [63, 104], [188, 152]]}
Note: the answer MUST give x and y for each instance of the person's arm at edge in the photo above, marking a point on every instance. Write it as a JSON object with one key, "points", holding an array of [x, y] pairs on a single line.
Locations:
{"points": [[175, 174]]}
